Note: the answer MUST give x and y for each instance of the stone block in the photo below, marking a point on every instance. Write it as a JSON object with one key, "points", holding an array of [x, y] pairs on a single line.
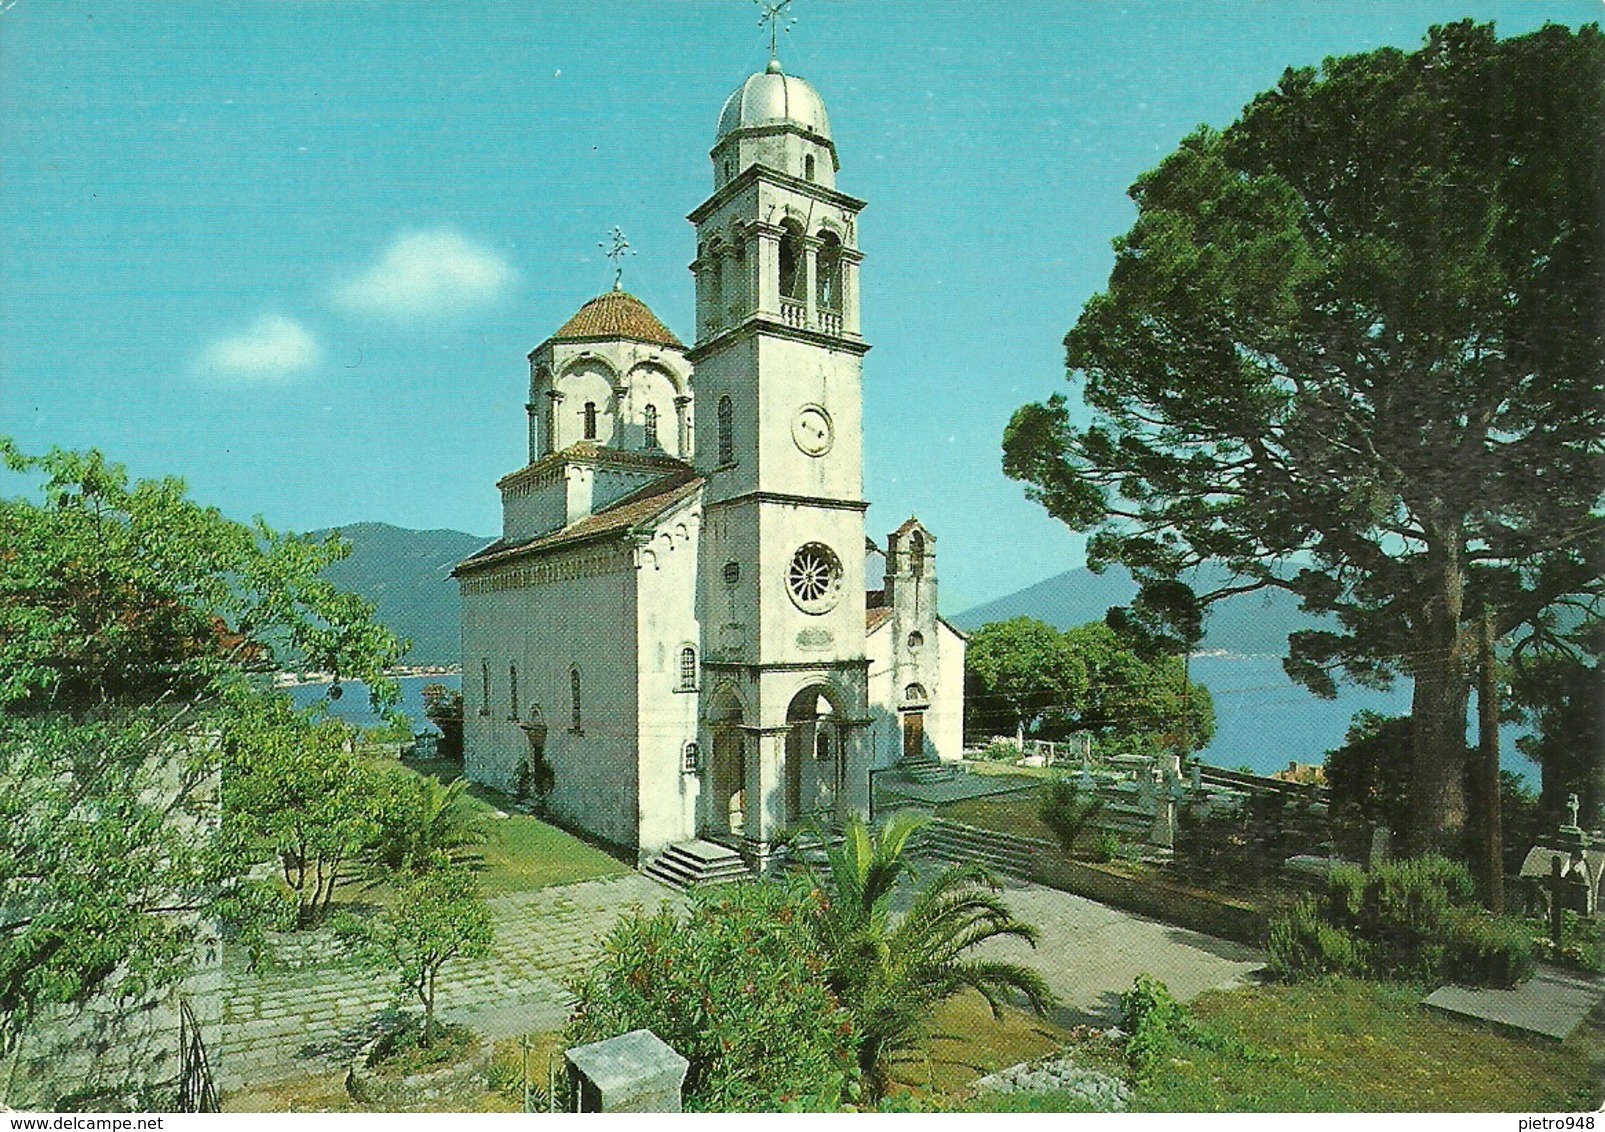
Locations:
{"points": [[634, 1072]]}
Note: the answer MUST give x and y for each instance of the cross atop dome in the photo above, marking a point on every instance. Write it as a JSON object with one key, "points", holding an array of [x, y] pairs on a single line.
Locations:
{"points": [[772, 13]]}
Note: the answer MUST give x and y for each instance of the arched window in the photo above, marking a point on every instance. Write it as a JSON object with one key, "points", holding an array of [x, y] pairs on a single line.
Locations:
{"points": [[828, 273], [916, 640], [808, 166], [484, 687], [792, 272], [916, 554], [688, 669], [590, 420], [512, 691], [915, 694], [574, 697], [727, 429], [650, 417]]}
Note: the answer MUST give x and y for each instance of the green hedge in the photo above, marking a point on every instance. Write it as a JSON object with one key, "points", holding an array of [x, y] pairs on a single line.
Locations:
{"points": [[1412, 920]]}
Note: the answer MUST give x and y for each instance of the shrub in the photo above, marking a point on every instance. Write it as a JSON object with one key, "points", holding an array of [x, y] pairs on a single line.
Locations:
{"points": [[1303, 945], [1152, 1020], [1490, 951], [1106, 847], [737, 988], [1067, 811], [1001, 751], [1412, 920]]}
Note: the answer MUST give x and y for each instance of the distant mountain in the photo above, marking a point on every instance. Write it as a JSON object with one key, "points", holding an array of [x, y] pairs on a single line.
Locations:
{"points": [[407, 576], [1254, 624]]}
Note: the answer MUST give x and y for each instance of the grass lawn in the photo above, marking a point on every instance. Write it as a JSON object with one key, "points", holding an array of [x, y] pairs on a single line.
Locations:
{"points": [[1351, 1046], [1014, 813], [967, 1042], [523, 853]]}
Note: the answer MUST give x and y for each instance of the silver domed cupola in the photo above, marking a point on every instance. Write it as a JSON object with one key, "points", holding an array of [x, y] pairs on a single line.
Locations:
{"points": [[779, 121]]}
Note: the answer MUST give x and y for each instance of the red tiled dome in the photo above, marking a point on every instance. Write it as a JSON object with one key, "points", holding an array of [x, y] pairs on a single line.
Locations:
{"points": [[617, 314]]}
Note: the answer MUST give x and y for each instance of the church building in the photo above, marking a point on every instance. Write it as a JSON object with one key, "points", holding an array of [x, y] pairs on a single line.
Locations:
{"points": [[673, 639]]}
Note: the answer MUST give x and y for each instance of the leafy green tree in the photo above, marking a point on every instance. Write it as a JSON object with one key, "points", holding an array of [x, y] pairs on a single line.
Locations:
{"points": [[1018, 671], [294, 793], [438, 916], [1025, 675], [135, 625], [114, 591], [1557, 686], [104, 838], [1369, 776], [734, 985], [1351, 348], [422, 824], [1137, 704], [893, 972]]}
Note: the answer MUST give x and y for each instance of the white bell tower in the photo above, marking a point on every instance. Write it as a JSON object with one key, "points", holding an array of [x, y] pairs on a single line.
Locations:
{"points": [[778, 363]]}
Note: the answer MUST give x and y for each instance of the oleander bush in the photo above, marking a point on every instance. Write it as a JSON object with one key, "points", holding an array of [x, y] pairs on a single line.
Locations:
{"points": [[737, 987]]}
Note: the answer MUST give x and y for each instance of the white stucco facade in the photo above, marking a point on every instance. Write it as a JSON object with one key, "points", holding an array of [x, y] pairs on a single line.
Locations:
{"points": [[674, 638]]}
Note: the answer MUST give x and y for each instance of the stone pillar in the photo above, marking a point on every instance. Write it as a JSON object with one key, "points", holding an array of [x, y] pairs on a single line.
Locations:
{"points": [[1163, 833], [682, 423], [851, 258], [811, 280], [634, 1072], [554, 405], [767, 293]]}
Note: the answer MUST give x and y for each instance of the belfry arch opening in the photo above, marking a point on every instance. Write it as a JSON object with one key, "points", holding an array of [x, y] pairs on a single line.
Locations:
{"points": [[828, 273], [793, 281]]}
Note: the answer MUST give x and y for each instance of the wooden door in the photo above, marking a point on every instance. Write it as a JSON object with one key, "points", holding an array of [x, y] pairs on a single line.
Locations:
{"points": [[913, 735]]}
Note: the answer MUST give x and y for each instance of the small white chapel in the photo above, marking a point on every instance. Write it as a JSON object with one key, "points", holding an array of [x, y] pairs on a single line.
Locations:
{"points": [[673, 641]]}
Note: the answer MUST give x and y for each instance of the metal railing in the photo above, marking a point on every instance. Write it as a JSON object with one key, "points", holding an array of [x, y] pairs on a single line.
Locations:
{"points": [[197, 1092]]}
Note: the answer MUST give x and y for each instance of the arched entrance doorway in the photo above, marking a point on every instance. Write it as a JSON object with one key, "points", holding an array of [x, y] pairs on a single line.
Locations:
{"points": [[915, 703], [727, 766], [814, 759]]}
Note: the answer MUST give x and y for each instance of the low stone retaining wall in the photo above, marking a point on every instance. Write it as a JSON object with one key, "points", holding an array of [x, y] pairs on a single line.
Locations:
{"points": [[1148, 896], [1156, 897]]}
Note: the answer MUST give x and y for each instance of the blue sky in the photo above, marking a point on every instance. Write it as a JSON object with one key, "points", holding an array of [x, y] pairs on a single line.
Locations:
{"points": [[296, 252]]}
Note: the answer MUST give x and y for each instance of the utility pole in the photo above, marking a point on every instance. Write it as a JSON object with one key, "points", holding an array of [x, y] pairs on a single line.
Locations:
{"points": [[1493, 868]]}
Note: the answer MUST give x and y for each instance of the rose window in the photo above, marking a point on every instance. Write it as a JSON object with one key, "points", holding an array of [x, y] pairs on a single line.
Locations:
{"points": [[814, 578]]}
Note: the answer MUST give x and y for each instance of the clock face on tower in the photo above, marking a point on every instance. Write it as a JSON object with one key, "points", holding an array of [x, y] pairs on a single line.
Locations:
{"points": [[811, 430]]}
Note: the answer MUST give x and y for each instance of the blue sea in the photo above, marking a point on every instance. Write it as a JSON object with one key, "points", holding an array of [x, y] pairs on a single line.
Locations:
{"points": [[1263, 720]]}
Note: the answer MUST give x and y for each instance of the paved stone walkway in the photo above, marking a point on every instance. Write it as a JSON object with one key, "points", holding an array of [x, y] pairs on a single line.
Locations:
{"points": [[309, 1018], [1089, 953], [309, 1015]]}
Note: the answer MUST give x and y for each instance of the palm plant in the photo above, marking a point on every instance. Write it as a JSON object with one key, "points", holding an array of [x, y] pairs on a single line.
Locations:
{"points": [[425, 824], [892, 973]]}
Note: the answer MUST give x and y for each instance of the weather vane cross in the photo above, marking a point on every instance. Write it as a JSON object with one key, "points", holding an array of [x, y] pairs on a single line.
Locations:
{"points": [[616, 247], [773, 14]]}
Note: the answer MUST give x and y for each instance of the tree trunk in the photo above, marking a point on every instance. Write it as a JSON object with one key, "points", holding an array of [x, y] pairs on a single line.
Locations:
{"points": [[429, 1012], [1490, 841], [1438, 717]]}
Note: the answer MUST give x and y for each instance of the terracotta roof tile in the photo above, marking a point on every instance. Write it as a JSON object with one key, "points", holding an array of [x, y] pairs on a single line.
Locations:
{"points": [[875, 618], [617, 314], [616, 519]]}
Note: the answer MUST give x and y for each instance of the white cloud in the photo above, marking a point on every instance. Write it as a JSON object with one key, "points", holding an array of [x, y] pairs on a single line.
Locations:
{"points": [[273, 348], [427, 273]]}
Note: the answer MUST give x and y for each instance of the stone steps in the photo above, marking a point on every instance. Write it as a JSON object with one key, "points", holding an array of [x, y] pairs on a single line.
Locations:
{"points": [[967, 845], [693, 863], [927, 770]]}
